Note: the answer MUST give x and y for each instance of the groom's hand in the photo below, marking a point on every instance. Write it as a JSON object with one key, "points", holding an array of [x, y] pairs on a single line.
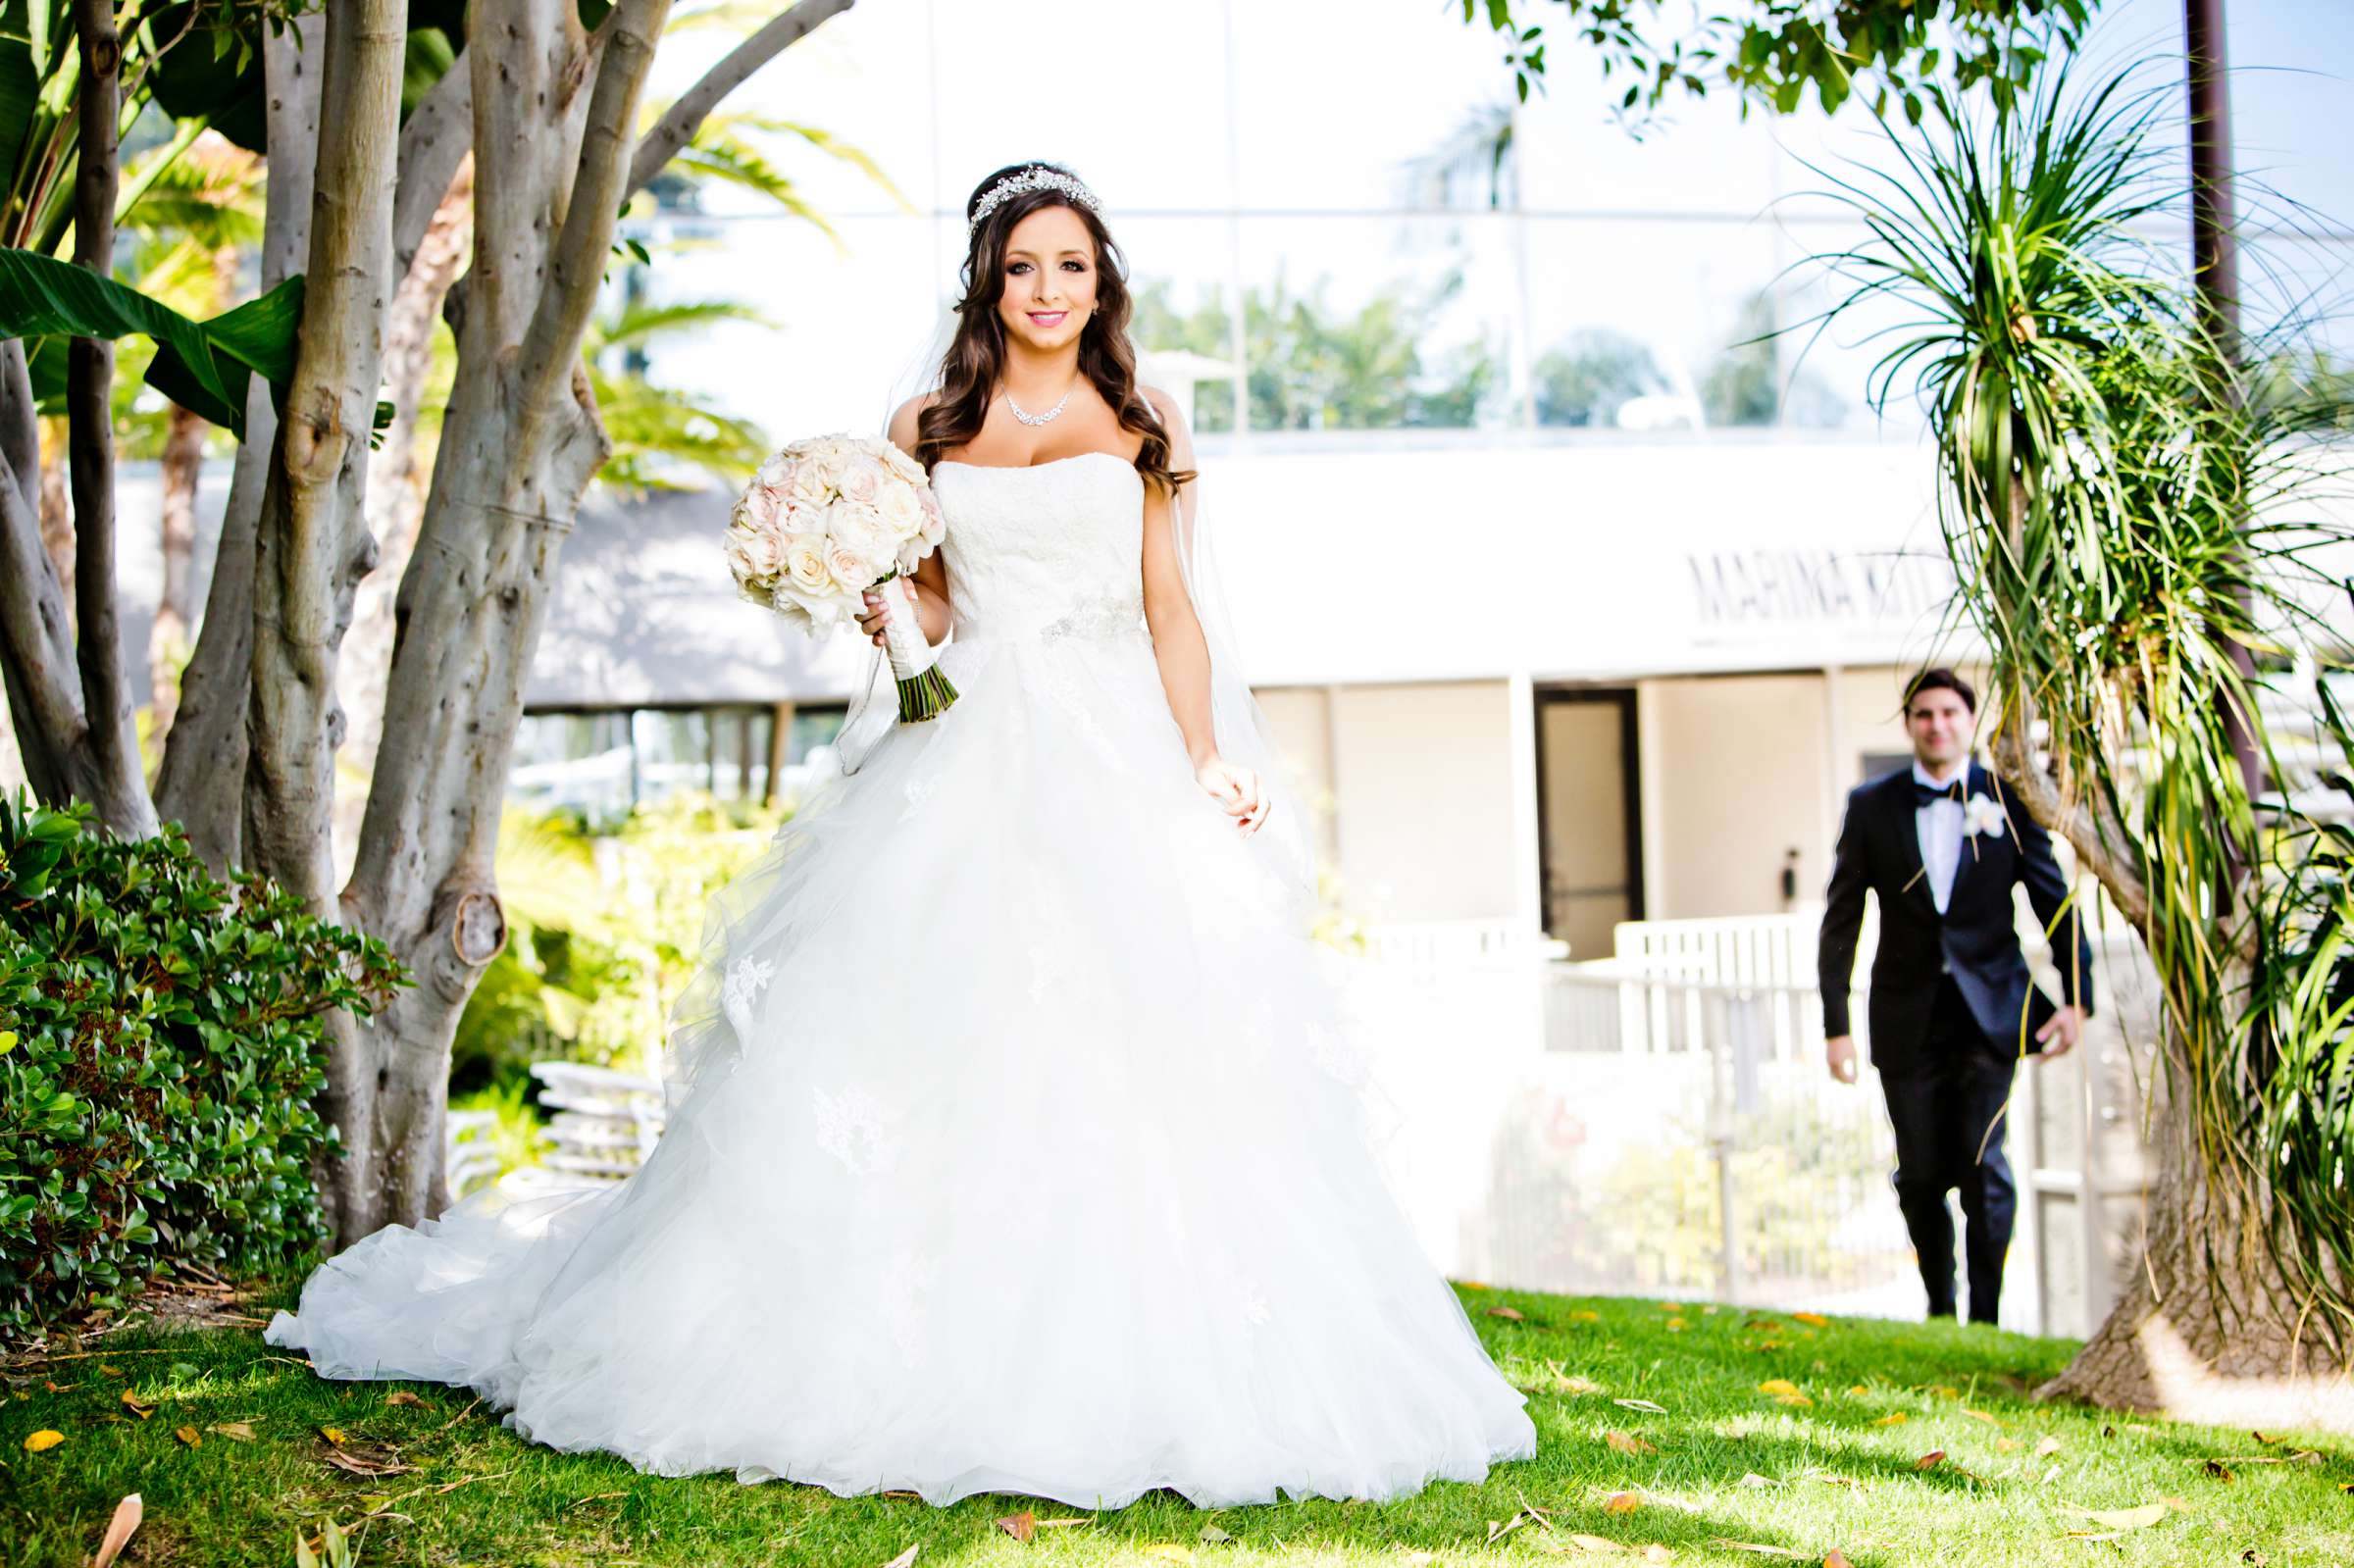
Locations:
{"points": [[2059, 1032], [1840, 1049]]}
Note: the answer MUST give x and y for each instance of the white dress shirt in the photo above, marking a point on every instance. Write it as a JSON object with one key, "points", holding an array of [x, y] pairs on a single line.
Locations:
{"points": [[1939, 825]]}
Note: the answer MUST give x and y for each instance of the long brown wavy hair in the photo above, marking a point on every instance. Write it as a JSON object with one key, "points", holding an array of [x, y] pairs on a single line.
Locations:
{"points": [[969, 370]]}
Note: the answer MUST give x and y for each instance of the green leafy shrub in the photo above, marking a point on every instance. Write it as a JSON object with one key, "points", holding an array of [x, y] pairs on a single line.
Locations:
{"points": [[161, 1037]]}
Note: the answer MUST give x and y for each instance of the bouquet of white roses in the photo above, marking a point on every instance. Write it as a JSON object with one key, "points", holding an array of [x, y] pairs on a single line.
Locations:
{"points": [[828, 518]]}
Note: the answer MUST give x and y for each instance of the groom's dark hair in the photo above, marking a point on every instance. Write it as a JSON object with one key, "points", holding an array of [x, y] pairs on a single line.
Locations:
{"points": [[1941, 679]]}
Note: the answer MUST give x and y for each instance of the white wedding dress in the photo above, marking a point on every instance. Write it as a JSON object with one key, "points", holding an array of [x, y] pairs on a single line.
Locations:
{"points": [[1017, 1145]]}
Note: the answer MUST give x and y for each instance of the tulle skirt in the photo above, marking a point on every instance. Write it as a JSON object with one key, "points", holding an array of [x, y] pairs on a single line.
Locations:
{"points": [[1018, 1146]]}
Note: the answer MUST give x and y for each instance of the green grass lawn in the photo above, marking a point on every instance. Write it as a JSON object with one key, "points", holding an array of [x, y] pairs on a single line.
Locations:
{"points": [[1720, 1461]]}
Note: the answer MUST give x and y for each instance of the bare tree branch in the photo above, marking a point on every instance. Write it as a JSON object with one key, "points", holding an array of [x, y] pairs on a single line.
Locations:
{"points": [[207, 744], [680, 122], [432, 144], [314, 544], [37, 648], [2100, 842], [20, 424], [552, 345], [121, 785]]}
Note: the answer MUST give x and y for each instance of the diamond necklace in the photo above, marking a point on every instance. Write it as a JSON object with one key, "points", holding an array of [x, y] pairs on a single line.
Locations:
{"points": [[1041, 419]]}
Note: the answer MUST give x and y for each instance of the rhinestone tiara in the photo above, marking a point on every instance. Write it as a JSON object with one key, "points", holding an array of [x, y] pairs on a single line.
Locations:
{"points": [[1029, 179]]}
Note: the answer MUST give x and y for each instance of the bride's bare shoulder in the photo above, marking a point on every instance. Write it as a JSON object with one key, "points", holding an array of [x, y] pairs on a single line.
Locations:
{"points": [[902, 421]]}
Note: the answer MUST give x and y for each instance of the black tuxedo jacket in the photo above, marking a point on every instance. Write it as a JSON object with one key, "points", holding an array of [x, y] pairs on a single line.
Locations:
{"points": [[1879, 848]]}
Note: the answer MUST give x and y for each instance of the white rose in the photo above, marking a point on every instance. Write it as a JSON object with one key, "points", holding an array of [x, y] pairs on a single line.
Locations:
{"points": [[808, 485], [768, 551], [900, 509], [833, 465], [900, 464], [772, 473], [743, 563], [805, 568], [759, 505], [862, 528], [862, 480], [852, 567]]}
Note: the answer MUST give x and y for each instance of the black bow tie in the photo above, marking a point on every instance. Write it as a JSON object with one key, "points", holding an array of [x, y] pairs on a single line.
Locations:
{"points": [[1926, 794]]}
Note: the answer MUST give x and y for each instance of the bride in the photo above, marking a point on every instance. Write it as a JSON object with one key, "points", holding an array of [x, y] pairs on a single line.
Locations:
{"points": [[1015, 1143]]}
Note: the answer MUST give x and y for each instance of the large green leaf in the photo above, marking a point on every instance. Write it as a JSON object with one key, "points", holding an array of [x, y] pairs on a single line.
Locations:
{"points": [[202, 366], [20, 81]]}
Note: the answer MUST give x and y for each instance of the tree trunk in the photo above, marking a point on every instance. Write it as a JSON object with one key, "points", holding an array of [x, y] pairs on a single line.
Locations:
{"points": [[201, 783], [2207, 1329], [168, 638], [396, 495]]}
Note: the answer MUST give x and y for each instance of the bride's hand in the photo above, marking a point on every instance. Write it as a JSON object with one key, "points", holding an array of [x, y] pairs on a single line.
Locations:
{"points": [[870, 621], [1237, 790]]}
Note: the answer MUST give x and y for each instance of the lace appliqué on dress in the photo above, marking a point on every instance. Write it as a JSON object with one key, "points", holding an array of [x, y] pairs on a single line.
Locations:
{"points": [[1337, 1055], [745, 976], [851, 1127], [918, 791]]}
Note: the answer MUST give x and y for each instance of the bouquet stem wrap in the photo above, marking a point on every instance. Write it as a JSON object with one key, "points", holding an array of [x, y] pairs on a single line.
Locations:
{"points": [[924, 688]]}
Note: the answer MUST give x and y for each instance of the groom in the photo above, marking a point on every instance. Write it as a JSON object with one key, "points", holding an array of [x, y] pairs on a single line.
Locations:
{"points": [[1952, 1007]]}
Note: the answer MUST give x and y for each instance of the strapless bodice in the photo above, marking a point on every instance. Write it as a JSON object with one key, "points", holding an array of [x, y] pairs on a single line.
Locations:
{"points": [[1049, 551]]}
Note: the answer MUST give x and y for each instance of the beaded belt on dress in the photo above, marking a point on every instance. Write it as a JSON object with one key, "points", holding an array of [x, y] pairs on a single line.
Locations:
{"points": [[1101, 622]]}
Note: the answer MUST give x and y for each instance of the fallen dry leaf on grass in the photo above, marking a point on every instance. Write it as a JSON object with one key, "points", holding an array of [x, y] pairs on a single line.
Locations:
{"points": [[136, 1405], [2218, 1470], [187, 1435], [1931, 1460], [234, 1430], [1644, 1405], [1893, 1418], [43, 1441], [2047, 1447], [1816, 1318], [1020, 1526], [403, 1396], [118, 1529], [2121, 1519], [1585, 1315], [1777, 1386], [1509, 1314], [1981, 1415], [1835, 1559], [905, 1558], [1859, 1392], [1622, 1503], [1212, 1536], [1627, 1443]]}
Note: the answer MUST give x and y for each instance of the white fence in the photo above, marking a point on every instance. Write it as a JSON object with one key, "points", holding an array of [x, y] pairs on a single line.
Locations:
{"points": [[1662, 1122]]}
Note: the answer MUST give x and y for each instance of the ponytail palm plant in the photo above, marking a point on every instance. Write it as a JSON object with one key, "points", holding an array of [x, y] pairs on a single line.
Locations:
{"points": [[2132, 513]]}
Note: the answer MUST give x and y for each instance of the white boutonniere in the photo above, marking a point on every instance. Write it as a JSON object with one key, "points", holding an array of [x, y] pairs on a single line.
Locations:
{"points": [[1981, 814]]}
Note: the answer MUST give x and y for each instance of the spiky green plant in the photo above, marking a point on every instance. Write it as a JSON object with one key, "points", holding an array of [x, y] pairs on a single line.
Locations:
{"points": [[2128, 508]]}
